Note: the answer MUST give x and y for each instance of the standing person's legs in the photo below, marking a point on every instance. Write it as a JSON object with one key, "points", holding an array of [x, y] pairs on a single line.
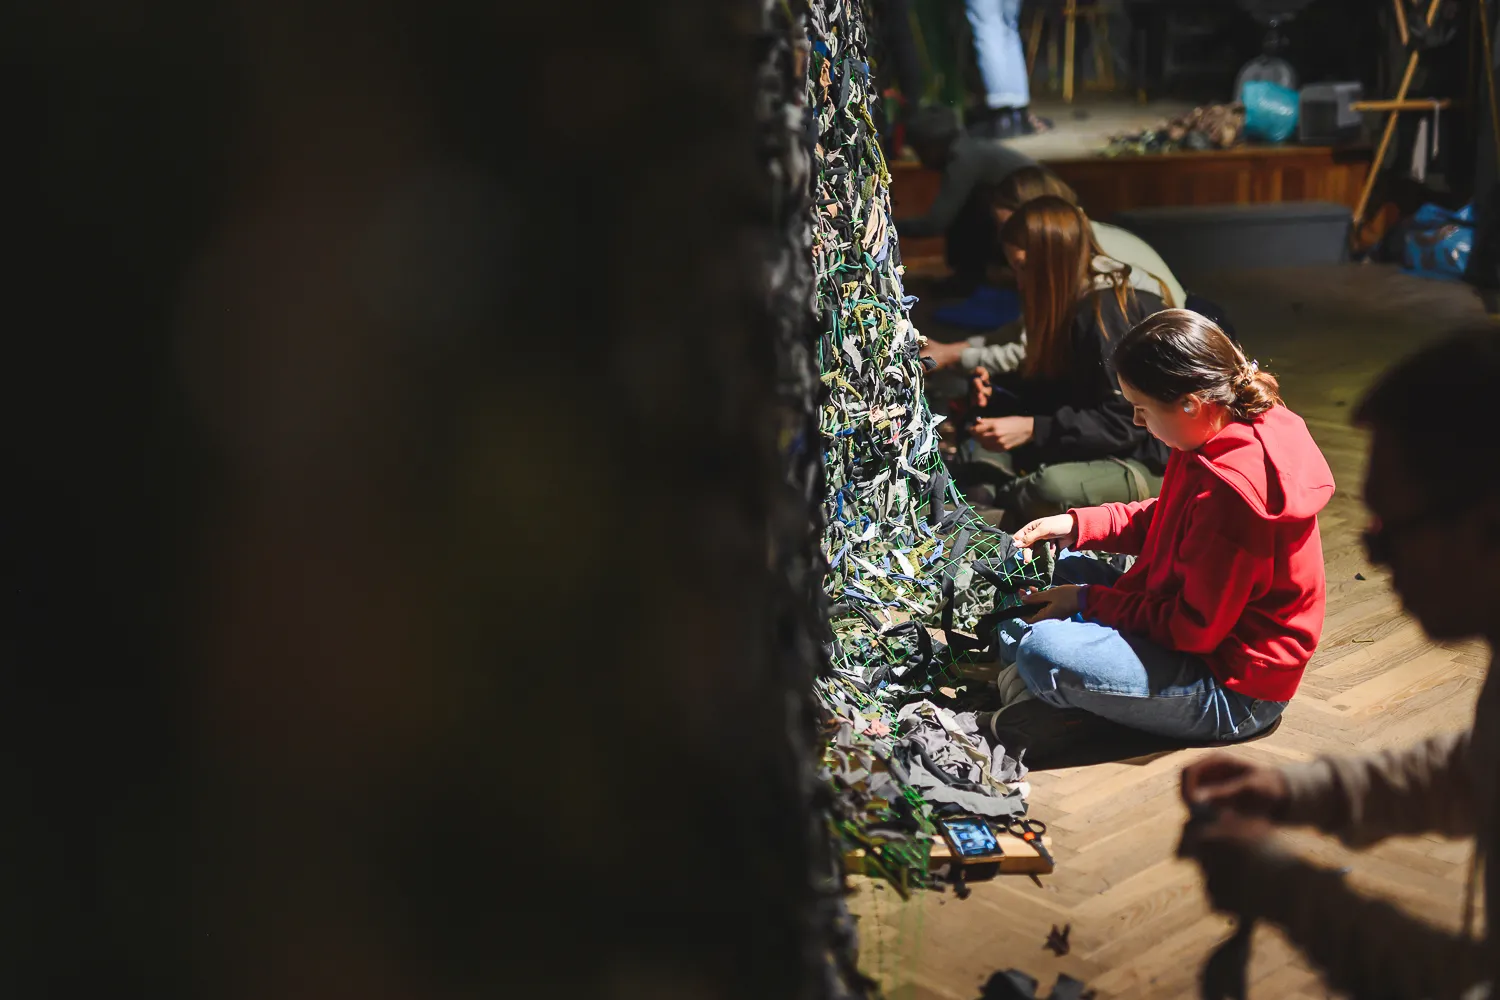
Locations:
{"points": [[996, 25], [1133, 681], [1053, 489]]}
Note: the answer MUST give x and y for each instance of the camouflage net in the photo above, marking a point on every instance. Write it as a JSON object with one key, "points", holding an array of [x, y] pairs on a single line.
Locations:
{"points": [[915, 575]]}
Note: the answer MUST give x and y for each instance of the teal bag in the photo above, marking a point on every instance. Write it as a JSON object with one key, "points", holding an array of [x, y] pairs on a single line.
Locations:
{"points": [[1270, 110]]}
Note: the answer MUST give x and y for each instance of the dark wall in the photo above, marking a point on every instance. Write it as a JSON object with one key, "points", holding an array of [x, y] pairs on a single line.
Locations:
{"points": [[1327, 40]]}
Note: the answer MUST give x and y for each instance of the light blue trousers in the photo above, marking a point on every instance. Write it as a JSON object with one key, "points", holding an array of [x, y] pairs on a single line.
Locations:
{"points": [[1128, 678], [996, 25]]}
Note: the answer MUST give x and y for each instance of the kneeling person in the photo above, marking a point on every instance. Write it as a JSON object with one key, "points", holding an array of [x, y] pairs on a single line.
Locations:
{"points": [[1205, 638]]}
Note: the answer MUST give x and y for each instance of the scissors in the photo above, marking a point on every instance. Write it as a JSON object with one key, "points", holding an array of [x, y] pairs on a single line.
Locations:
{"points": [[1029, 830]]}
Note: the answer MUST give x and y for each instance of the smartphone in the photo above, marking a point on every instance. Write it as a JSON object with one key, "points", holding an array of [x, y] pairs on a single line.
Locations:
{"points": [[970, 837]]}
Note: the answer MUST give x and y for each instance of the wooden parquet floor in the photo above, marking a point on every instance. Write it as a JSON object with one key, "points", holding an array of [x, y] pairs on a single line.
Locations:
{"points": [[1140, 924]]}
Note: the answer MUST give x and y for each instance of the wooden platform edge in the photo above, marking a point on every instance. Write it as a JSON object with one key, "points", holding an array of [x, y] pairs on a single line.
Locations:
{"points": [[1020, 858]]}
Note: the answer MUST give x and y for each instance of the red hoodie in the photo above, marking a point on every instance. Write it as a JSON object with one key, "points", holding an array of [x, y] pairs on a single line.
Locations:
{"points": [[1231, 563]]}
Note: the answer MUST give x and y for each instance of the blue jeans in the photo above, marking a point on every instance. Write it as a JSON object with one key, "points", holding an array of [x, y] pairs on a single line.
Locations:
{"points": [[996, 25], [1128, 678]]}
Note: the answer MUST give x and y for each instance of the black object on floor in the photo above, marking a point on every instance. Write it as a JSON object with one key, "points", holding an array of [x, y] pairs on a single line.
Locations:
{"points": [[1013, 984], [1070, 737]]}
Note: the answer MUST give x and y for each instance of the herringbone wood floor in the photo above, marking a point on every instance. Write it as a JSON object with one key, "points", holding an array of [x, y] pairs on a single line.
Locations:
{"points": [[1141, 927]]}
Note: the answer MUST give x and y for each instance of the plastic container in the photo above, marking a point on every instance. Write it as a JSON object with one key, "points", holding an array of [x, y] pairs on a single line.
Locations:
{"points": [[1265, 69], [1198, 239]]}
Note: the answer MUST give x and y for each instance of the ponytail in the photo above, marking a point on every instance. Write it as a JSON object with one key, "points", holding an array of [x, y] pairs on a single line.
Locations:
{"points": [[1255, 391]]}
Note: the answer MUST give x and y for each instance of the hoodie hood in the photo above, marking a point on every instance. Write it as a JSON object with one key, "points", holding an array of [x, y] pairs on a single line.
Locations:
{"points": [[1273, 462]]}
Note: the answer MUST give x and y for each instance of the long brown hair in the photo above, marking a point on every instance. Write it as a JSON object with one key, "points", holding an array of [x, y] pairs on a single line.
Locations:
{"points": [[1028, 184], [1176, 352], [1060, 250]]}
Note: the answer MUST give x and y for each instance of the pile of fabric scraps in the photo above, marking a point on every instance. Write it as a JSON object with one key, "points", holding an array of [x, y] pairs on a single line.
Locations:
{"points": [[947, 761], [1213, 126], [889, 782], [915, 577]]}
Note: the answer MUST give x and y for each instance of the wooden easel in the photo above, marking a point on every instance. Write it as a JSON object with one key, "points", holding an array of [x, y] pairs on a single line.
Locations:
{"points": [[1104, 70], [1394, 108]]}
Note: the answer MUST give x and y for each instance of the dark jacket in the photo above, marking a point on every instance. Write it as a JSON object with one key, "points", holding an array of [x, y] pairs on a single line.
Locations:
{"points": [[1082, 417]]}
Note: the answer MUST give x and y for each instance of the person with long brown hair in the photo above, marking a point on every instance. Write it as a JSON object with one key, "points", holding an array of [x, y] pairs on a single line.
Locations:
{"points": [[1148, 271], [1056, 433], [1005, 350], [1207, 635]]}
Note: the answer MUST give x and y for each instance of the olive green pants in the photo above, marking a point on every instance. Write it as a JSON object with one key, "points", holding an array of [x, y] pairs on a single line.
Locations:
{"points": [[1052, 489]]}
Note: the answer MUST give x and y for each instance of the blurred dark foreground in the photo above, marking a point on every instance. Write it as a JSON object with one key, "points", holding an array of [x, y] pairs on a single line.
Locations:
{"points": [[387, 610]]}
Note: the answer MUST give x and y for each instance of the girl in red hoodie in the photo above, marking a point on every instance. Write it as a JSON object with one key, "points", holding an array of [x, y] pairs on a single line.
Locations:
{"points": [[1205, 638]]}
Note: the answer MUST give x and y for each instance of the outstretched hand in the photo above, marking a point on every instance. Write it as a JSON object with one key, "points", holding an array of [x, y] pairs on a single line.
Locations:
{"points": [[943, 355], [1060, 528]]}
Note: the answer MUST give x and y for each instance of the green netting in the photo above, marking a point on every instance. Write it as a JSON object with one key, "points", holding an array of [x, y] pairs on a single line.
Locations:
{"points": [[900, 541], [912, 570]]}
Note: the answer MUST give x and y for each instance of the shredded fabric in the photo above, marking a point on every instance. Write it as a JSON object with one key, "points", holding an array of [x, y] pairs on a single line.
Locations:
{"points": [[914, 575]]}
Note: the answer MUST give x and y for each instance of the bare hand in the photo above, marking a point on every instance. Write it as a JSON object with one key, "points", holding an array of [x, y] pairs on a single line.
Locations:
{"points": [[1228, 782], [979, 388], [1003, 433], [1061, 528], [1059, 603], [943, 355]]}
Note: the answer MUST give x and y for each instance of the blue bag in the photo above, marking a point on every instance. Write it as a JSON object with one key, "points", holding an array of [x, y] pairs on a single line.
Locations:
{"points": [[1270, 110], [1439, 241], [988, 308]]}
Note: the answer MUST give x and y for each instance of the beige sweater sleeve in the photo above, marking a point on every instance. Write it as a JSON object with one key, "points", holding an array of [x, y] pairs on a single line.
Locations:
{"points": [[1425, 788], [1364, 947]]}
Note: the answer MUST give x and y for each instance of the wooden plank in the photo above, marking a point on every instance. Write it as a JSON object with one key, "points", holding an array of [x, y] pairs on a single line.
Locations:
{"points": [[1389, 131], [1106, 185], [1407, 105], [1244, 151], [1020, 857]]}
